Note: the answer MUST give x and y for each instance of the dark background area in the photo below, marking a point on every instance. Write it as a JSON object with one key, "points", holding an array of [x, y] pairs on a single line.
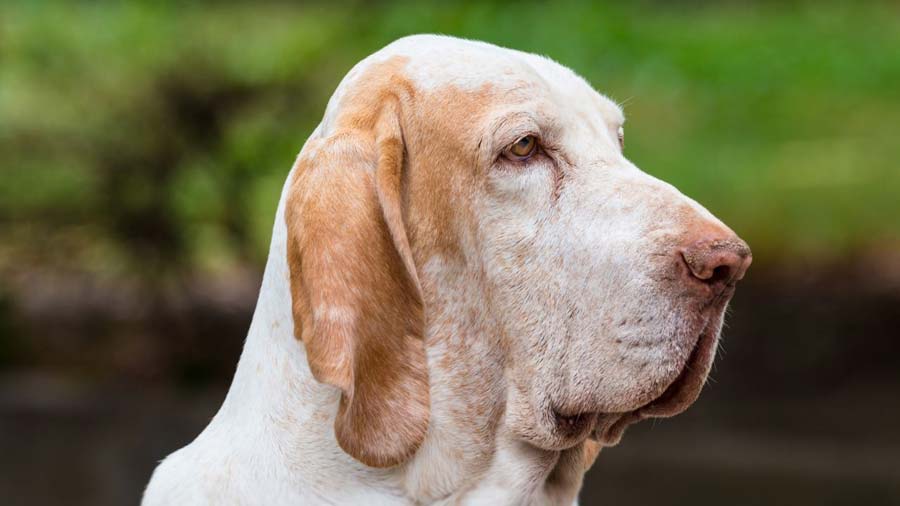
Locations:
{"points": [[143, 147]]}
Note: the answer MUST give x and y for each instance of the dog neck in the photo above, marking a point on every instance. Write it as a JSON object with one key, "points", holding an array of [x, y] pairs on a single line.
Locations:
{"points": [[469, 455], [276, 406]]}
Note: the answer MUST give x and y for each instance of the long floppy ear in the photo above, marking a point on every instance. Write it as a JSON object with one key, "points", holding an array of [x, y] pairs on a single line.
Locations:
{"points": [[357, 303]]}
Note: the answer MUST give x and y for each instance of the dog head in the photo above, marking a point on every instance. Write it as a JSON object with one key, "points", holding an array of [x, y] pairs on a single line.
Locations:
{"points": [[600, 289]]}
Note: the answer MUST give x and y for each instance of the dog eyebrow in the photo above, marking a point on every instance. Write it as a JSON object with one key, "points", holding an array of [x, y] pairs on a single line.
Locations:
{"points": [[507, 128], [513, 121]]}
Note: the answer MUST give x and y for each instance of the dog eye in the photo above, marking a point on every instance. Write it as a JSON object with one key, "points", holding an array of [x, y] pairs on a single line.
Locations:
{"points": [[621, 134], [523, 148]]}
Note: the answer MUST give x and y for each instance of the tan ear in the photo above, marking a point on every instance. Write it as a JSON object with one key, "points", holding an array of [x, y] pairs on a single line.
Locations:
{"points": [[357, 304]]}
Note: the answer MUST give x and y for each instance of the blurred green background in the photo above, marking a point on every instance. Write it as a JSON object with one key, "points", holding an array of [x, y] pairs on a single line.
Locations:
{"points": [[143, 146]]}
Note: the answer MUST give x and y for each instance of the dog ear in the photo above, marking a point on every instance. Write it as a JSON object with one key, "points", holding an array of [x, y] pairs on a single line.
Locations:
{"points": [[356, 300]]}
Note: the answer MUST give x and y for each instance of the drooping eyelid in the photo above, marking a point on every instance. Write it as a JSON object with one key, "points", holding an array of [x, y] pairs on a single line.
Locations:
{"points": [[509, 128]]}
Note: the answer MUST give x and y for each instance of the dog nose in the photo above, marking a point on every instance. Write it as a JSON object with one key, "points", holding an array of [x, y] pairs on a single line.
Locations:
{"points": [[717, 259]]}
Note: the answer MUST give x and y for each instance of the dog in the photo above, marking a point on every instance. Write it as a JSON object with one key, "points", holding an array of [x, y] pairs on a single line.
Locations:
{"points": [[470, 290]]}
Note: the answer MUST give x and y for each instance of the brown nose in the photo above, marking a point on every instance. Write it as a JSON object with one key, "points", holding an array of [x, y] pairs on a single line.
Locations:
{"points": [[718, 259]]}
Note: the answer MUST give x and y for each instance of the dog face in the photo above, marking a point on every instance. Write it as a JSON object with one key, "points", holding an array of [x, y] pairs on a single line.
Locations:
{"points": [[598, 290], [584, 259]]}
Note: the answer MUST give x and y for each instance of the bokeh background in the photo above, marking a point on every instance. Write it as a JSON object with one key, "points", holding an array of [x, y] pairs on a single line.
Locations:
{"points": [[143, 146]]}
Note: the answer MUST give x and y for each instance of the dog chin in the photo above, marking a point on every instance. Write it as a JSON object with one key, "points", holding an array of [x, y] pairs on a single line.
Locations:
{"points": [[676, 398], [549, 429]]}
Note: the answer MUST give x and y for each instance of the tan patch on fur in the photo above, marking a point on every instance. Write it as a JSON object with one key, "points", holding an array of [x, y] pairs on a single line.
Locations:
{"points": [[347, 249], [444, 158], [389, 189], [386, 191], [591, 451]]}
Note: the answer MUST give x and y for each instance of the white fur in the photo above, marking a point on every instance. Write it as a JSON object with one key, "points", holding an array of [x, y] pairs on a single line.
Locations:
{"points": [[591, 250]]}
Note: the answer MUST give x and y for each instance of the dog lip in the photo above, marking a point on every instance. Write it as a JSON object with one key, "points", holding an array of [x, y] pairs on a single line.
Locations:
{"points": [[687, 384], [573, 425], [569, 419], [566, 420], [611, 426]]}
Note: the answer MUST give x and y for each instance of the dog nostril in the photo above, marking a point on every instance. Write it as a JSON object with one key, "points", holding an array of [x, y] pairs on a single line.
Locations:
{"points": [[717, 261], [721, 273]]}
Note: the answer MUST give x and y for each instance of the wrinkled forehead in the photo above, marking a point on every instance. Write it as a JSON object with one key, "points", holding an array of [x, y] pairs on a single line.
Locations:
{"points": [[518, 81]]}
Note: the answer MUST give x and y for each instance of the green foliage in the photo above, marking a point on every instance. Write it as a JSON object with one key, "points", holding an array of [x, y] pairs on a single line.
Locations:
{"points": [[143, 137]]}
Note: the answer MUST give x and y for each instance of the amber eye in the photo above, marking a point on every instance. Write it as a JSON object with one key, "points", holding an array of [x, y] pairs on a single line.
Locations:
{"points": [[524, 147]]}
